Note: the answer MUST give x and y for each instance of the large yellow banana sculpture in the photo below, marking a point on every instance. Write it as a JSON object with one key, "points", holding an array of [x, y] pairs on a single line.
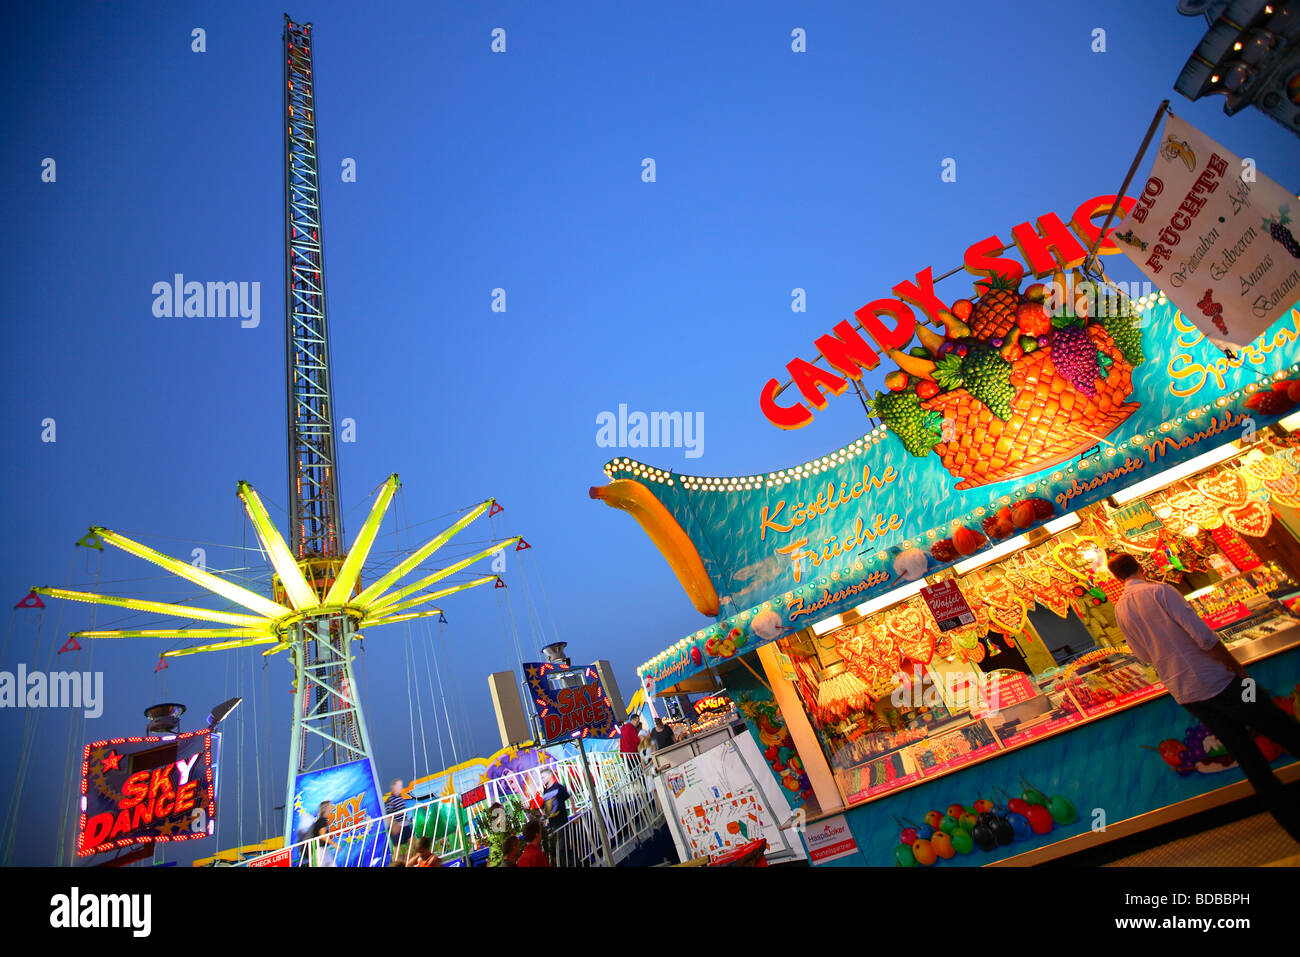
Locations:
{"points": [[673, 543]]}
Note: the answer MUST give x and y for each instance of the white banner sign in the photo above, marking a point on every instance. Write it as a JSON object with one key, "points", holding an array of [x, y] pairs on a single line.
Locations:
{"points": [[1216, 235]]}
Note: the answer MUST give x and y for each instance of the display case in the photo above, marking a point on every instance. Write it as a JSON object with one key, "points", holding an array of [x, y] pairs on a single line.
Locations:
{"points": [[895, 701]]}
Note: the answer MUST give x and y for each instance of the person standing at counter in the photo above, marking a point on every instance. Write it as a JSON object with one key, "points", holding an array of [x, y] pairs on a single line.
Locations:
{"points": [[1204, 677], [662, 736]]}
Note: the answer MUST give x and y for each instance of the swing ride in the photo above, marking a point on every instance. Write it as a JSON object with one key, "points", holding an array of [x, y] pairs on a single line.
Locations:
{"points": [[318, 605]]}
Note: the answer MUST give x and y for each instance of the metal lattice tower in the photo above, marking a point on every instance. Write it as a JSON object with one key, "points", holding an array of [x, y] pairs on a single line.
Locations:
{"points": [[328, 726], [315, 518]]}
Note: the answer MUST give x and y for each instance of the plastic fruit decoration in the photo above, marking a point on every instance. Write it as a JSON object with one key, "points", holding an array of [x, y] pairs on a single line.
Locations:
{"points": [[1002, 830], [896, 381], [924, 853], [949, 824], [968, 822], [1023, 388], [903, 856], [983, 805], [934, 819], [1040, 819], [1061, 809], [962, 842], [941, 843], [956, 810]]}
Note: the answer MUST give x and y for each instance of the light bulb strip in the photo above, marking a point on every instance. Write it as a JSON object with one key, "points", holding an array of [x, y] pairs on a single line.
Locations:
{"points": [[419, 555], [241, 596], [384, 604], [158, 607], [351, 570], [440, 593], [295, 585]]}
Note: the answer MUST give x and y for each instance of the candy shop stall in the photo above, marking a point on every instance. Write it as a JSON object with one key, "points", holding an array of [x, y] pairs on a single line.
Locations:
{"points": [[924, 616], [895, 701]]}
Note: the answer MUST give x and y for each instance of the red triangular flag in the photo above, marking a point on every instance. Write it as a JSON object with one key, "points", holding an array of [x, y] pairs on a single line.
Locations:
{"points": [[495, 508], [499, 584], [70, 645], [522, 545], [32, 600], [162, 663]]}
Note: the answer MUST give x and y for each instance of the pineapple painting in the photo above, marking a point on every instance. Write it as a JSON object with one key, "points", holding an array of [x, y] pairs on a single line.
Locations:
{"points": [[1277, 228], [1010, 388]]}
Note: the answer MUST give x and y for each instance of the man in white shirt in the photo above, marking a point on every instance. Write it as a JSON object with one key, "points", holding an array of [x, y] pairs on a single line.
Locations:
{"points": [[1162, 628]]}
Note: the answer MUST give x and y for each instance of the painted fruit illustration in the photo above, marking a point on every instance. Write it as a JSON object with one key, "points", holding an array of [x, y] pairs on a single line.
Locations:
{"points": [[1278, 228], [1062, 809], [1040, 819], [924, 853], [1019, 825], [1014, 389]]}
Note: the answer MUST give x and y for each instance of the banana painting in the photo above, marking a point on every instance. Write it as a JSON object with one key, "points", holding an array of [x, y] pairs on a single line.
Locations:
{"points": [[638, 501]]}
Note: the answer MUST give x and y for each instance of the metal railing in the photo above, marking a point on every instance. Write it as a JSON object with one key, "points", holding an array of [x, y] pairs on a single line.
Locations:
{"points": [[624, 806], [379, 842]]}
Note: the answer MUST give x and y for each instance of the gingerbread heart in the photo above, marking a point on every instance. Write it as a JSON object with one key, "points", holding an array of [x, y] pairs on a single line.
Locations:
{"points": [[920, 648], [1290, 501], [1206, 517], [1286, 486], [1071, 556], [1008, 619], [1253, 519], [1226, 488], [996, 590], [1263, 467], [1055, 600]]}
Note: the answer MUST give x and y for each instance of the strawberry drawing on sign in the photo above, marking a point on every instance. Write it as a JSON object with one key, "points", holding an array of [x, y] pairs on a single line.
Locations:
{"points": [[1213, 310]]}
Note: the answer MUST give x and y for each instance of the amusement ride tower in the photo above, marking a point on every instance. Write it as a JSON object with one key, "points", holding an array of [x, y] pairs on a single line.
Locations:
{"points": [[318, 606]]}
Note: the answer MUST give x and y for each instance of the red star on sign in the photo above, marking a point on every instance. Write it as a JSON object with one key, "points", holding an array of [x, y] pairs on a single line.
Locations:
{"points": [[109, 763]]}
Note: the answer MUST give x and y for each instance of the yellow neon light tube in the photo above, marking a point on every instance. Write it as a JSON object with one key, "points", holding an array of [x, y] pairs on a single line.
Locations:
{"points": [[177, 633], [242, 596], [347, 576], [295, 586], [440, 593], [383, 603], [162, 608], [219, 646], [394, 619], [420, 554]]}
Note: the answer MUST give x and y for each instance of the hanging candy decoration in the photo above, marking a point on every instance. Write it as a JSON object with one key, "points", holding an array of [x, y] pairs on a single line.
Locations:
{"points": [[1262, 467], [909, 632], [973, 655], [1225, 487], [1253, 519]]}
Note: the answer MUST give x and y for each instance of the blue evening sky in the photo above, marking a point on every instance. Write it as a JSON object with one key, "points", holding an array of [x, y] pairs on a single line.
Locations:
{"points": [[475, 171]]}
